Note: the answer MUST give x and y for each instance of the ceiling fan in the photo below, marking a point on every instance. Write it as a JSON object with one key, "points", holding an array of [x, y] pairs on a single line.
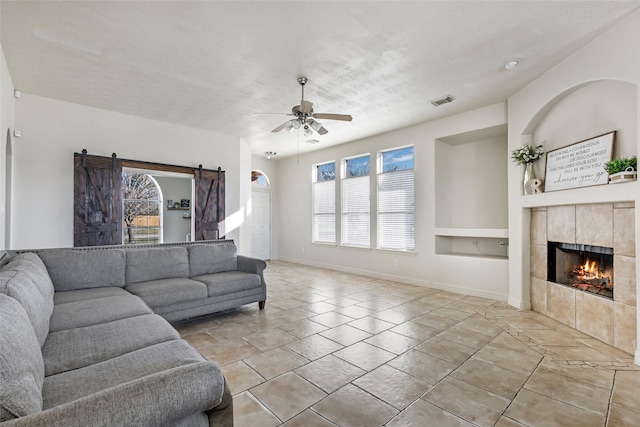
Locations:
{"points": [[304, 117]]}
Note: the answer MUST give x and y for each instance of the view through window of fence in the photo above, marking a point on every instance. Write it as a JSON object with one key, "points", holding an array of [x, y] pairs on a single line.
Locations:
{"points": [[141, 209]]}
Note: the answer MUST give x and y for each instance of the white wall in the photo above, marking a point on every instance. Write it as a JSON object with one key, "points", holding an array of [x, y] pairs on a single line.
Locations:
{"points": [[53, 130], [472, 275], [567, 104], [175, 227], [7, 120], [270, 169]]}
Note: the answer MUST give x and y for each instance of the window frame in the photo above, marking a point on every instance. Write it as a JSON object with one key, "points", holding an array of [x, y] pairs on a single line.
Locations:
{"points": [[314, 188], [345, 177]]}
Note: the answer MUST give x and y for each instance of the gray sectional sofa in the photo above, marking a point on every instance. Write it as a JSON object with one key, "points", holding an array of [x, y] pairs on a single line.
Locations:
{"points": [[85, 338]]}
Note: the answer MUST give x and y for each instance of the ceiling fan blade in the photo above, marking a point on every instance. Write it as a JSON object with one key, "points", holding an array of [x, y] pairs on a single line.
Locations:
{"points": [[282, 126], [322, 130], [305, 106], [330, 116]]}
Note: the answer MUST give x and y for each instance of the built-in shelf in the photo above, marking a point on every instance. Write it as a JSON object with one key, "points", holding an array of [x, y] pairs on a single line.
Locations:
{"points": [[497, 233], [187, 217], [178, 209], [483, 243]]}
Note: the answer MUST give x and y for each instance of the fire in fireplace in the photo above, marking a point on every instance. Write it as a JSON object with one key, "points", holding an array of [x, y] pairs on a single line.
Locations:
{"points": [[585, 267]]}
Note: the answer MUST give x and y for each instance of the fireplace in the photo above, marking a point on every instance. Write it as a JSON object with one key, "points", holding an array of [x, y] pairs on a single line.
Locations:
{"points": [[584, 267]]}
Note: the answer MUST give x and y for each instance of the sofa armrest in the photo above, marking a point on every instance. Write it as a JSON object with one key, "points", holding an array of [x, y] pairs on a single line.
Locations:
{"points": [[251, 265], [155, 400]]}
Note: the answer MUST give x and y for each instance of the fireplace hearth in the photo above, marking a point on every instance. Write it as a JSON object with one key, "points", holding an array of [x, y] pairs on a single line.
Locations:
{"points": [[585, 267]]}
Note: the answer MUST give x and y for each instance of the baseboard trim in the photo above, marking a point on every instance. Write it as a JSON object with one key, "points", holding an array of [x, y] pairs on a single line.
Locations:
{"points": [[402, 279], [517, 303]]}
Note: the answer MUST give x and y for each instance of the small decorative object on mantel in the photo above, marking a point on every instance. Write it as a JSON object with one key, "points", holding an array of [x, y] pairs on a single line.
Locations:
{"points": [[622, 170], [527, 155], [184, 203]]}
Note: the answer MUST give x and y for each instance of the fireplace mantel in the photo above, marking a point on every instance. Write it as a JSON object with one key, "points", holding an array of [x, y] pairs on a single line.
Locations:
{"points": [[608, 193]]}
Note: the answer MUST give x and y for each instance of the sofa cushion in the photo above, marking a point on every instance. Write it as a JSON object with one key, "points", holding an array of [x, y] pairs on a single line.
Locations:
{"points": [[68, 386], [17, 284], [86, 294], [82, 268], [83, 313], [229, 282], [156, 263], [21, 365], [212, 258], [80, 347], [163, 292], [34, 268]]}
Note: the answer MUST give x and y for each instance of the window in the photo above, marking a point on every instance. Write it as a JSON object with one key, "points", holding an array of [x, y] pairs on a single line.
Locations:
{"points": [[141, 209], [396, 220], [324, 203], [356, 210]]}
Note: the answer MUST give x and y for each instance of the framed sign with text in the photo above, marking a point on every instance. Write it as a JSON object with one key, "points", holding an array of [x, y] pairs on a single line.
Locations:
{"points": [[579, 164]]}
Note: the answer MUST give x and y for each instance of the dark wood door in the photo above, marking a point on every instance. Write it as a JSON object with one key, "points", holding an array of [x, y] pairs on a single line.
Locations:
{"points": [[97, 200], [209, 204]]}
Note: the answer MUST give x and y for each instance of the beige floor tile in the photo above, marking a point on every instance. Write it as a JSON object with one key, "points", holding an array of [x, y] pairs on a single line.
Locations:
{"points": [[416, 330], [577, 353], [376, 305], [508, 422], [241, 377], [308, 419], [365, 356], [314, 347], [467, 401], [523, 323], [536, 410], [570, 391], [320, 307], [392, 315], [392, 386], [275, 362], [339, 406], [626, 390], [286, 304], [345, 334], [269, 339], [465, 337], [231, 332], [288, 395], [249, 412], [331, 319], [492, 378], [392, 342], [371, 324], [447, 350], [354, 311], [343, 301], [230, 351], [435, 321], [423, 366], [597, 377], [330, 373], [505, 340], [514, 361], [552, 337], [480, 325], [622, 417], [303, 328], [296, 314], [422, 413]]}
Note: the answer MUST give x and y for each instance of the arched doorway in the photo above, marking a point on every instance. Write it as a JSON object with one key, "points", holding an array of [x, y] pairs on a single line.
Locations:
{"points": [[141, 213], [261, 216]]}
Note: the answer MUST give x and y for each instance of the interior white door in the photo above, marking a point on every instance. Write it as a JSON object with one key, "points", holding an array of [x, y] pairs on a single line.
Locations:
{"points": [[261, 225]]}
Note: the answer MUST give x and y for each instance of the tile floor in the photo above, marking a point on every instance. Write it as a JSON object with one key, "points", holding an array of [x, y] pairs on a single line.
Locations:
{"points": [[336, 349]]}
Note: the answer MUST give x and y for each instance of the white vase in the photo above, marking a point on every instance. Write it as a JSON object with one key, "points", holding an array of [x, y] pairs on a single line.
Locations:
{"points": [[527, 186]]}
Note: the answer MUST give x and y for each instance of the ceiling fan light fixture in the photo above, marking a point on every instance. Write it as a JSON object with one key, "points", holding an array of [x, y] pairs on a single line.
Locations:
{"points": [[510, 64], [315, 125], [295, 124], [270, 154], [289, 128], [307, 131]]}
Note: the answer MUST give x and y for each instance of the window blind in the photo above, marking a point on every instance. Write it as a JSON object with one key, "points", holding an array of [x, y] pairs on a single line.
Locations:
{"points": [[396, 221], [324, 212], [356, 211]]}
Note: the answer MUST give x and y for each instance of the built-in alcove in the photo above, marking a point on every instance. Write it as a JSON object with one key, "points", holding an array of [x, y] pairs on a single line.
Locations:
{"points": [[471, 193]]}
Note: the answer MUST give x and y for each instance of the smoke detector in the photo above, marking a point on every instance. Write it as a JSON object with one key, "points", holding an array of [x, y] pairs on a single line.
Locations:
{"points": [[442, 100]]}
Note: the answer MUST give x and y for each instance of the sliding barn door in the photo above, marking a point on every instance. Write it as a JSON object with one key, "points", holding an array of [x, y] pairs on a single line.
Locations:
{"points": [[97, 200], [209, 204]]}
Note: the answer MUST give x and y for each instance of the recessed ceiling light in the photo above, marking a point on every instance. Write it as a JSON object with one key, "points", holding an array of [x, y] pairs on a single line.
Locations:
{"points": [[312, 141], [510, 64], [270, 154]]}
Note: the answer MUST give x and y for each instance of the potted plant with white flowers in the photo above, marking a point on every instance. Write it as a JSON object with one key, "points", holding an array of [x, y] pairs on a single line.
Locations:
{"points": [[527, 155]]}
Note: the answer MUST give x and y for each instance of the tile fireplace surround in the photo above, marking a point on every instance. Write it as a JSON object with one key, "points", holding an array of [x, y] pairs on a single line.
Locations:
{"points": [[605, 224]]}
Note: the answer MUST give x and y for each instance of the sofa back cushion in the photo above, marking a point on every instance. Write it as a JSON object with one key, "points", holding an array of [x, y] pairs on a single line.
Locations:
{"points": [[156, 263], [72, 269], [212, 258], [27, 281], [21, 364]]}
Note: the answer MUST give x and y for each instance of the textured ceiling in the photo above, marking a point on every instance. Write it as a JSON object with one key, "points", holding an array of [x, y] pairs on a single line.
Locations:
{"points": [[212, 65]]}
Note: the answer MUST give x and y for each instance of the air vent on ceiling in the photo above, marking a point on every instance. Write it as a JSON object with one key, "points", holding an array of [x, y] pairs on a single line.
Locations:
{"points": [[442, 100]]}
